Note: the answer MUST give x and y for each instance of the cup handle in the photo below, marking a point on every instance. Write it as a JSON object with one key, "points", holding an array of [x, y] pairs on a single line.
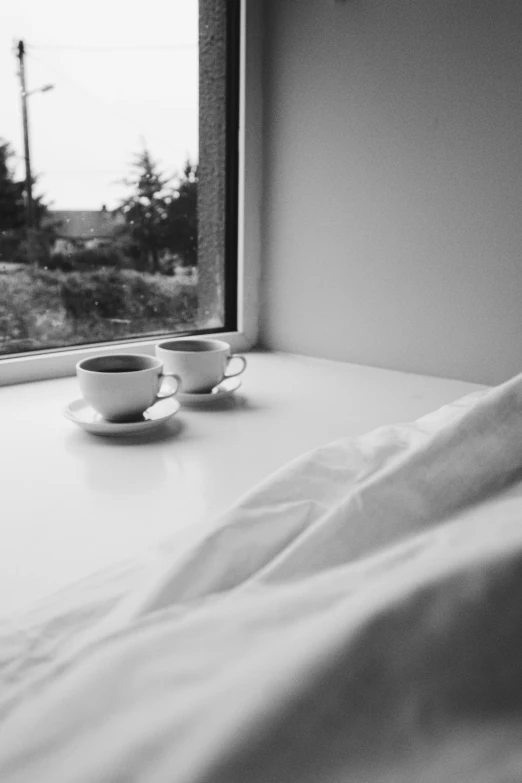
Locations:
{"points": [[231, 359], [172, 392]]}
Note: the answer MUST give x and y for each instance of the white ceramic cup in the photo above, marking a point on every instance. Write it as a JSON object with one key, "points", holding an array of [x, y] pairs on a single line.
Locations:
{"points": [[201, 364], [120, 387]]}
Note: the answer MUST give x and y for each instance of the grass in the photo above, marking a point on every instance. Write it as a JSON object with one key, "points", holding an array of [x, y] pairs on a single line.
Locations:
{"points": [[42, 308]]}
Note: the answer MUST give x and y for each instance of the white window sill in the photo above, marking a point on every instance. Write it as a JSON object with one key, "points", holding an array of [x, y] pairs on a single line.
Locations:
{"points": [[73, 503], [60, 364]]}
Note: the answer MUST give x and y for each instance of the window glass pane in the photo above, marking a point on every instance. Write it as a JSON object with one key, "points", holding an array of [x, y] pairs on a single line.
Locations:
{"points": [[103, 242]]}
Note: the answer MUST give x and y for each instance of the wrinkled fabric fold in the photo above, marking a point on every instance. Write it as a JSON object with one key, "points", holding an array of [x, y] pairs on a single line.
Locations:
{"points": [[351, 497], [358, 616]]}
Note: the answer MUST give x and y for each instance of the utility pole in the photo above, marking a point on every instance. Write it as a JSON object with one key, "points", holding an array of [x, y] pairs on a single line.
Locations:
{"points": [[28, 176]]}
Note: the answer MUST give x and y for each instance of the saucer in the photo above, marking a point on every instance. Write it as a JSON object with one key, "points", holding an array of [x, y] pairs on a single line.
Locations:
{"points": [[224, 389], [88, 419]]}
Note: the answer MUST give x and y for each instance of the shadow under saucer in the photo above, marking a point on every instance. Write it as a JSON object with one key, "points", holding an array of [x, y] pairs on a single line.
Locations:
{"points": [[168, 430]]}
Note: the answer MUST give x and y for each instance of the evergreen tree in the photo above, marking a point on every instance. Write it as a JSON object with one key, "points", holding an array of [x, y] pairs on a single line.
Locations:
{"points": [[12, 208], [182, 217], [16, 241], [145, 210]]}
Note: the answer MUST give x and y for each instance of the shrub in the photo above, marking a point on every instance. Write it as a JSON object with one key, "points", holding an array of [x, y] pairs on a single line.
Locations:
{"points": [[168, 264], [148, 299], [98, 294], [21, 295], [40, 307], [126, 294], [185, 305], [58, 261], [95, 258], [158, 299], [34, 248], [9, 243]]}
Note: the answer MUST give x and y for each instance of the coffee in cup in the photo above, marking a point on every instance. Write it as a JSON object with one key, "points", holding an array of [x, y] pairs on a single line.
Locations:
{"points": [[120, 387], [200, 363]]}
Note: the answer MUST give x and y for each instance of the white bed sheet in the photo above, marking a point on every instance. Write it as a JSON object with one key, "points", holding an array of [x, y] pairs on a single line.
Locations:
{"points": [[343, 621]]}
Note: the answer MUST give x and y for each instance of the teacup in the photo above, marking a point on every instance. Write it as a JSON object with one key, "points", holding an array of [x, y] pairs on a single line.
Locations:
{"points": [[201, 364], [120, 387]]}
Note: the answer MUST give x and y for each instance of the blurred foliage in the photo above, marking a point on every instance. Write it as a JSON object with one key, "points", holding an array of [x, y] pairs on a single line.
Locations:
{"points": [[160, 217], [17, 242], [181, 230], [84, 260], [129, 288], [145, 209], [43, 308], [98, 294], [12, 205]]}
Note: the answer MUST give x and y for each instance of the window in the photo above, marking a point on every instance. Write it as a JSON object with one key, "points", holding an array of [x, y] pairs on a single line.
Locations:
{"points": [[102, 252]]}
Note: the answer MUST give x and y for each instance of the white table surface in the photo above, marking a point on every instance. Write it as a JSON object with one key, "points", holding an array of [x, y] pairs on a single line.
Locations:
{"points": [[73, 503]]}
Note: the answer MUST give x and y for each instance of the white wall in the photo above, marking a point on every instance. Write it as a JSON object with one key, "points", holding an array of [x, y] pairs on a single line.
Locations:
{"points": [[392, 221]]}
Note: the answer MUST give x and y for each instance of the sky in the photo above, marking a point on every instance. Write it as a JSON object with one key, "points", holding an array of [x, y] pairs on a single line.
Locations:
{"points": [[125, 76]]}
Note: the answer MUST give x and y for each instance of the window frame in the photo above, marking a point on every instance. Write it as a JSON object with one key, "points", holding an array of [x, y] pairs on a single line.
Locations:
{"points": [[62, 362]]}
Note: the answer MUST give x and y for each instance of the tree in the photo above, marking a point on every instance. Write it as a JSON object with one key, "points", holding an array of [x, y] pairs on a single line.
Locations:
{"points": [[12, 209], [160, 217], [145, 210], [181, 232], [16, 241]]}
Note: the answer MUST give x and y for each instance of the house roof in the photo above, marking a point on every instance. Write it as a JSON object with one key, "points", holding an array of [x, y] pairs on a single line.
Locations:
{"points": [[84, 224]]}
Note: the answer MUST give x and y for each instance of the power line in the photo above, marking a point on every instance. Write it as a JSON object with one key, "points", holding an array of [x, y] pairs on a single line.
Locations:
{"points": [[63, 75], [113, 48], [123, 114], [73, 172], [72, 84]]}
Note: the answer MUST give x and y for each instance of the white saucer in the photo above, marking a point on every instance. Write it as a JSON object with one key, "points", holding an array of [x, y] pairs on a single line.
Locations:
{"points": [[223, 389], [85, 417]]}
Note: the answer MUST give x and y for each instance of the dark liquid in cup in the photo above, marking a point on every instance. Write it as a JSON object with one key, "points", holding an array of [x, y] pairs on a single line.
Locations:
{"points": [[119, 369]]}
